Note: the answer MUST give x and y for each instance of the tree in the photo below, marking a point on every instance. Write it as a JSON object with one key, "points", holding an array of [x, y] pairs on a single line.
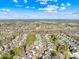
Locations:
{"points": [[65, 50], [6, 55], [1, 57], [30, 39], [19, 51], [53, 40], [0, 43], [16, 57]]}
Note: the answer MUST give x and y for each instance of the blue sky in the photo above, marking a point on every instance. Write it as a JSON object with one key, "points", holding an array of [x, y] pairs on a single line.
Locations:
{"points": [[39, 9]]}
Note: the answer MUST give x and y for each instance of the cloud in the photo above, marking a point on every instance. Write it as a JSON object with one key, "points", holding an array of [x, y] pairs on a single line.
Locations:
{"points": [[76, 12], [33, 7], [37, 15], [4, 11], [16, 1], [46, 0], [30, 7], [62, 4], [19, 5], [49, 8], [27, 7], [62, 8], [43, 2], [68, 4], [55, 0], [25, 1]]}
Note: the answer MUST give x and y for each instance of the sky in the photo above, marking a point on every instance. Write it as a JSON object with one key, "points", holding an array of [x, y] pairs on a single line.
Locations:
{"points": [[39, 9]]}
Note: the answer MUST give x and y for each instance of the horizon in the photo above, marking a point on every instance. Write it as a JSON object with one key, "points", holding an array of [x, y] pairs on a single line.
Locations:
{"points": [[39, 9]]}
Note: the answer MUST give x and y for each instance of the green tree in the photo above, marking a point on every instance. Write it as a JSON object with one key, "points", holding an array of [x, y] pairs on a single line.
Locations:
{"points": [[19, 51], [30, 39], [65, 50], [53, 40], [0, 43], [1, 57], [6, 55], [16, 57]]}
